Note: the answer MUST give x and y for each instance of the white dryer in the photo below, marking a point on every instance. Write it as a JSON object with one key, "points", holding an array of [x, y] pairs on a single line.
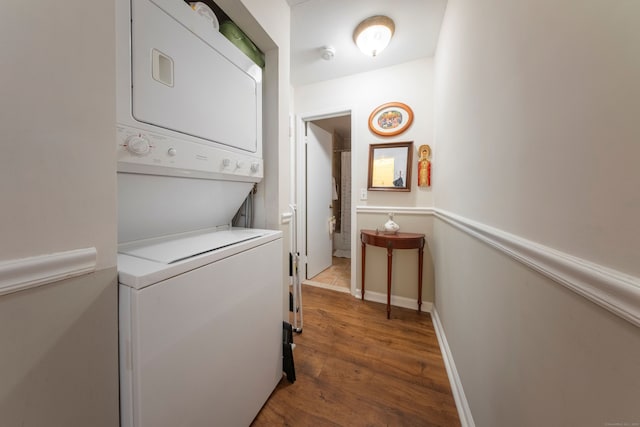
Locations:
{"points": [[201, 302]]}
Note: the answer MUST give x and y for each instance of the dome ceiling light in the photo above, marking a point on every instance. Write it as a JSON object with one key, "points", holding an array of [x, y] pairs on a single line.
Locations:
{"points": [[374, 34]]}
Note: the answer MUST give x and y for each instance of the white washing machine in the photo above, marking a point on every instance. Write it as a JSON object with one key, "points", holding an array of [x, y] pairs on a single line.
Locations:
{"points": [[201, 302], [200, 327]]}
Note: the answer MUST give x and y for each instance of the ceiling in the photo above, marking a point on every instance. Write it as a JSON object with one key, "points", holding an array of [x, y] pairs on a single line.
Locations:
{"points": [[319, 23]]}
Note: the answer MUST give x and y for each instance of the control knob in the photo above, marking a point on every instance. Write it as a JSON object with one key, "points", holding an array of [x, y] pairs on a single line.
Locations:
{"points": [[138, 145], [255, 166]]}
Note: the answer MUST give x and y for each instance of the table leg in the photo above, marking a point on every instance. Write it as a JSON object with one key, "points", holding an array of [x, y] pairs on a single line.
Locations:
{"points": [[364, 249], [389, 263], [420, 257]]}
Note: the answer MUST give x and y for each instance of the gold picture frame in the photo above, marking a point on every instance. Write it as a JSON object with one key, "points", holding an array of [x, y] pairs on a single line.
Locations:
{"points": [[390, 119]]}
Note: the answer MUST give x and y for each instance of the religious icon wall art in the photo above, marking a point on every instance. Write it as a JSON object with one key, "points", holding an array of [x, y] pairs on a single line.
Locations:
{"points": [[424, 166]]}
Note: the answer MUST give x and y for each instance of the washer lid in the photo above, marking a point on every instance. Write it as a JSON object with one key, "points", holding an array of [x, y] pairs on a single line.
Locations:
{"points": [[177, 249]]}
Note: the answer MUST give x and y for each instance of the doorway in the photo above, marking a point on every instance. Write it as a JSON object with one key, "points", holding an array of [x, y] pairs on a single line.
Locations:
{"points": [[328, 202]]}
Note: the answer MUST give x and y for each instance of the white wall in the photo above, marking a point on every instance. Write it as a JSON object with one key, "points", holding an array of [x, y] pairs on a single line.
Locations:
{"points": [[412, 84], [537, 135], [58, 362]]}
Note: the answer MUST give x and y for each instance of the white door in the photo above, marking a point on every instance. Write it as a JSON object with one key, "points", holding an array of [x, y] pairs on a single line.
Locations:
{"points": [[319, 211]]}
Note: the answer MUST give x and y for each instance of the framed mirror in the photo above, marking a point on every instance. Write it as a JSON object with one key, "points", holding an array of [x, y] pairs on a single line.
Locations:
{"points": [[390, 166]]}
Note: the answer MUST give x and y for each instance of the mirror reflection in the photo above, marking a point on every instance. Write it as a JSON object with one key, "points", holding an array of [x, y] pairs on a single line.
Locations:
{"points": [[390, 166]]}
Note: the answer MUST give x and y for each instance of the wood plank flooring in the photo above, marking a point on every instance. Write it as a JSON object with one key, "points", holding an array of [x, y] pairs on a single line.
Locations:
{"points": [[356, 368]]}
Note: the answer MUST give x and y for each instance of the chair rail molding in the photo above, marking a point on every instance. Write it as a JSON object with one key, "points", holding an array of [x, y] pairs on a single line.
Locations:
{"points": [[406, 210], [611, 289], [20, 274]]}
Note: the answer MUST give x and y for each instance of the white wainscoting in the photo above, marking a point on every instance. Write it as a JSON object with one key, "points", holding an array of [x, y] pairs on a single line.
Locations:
{"points": [[611, 289], [20, 274]]}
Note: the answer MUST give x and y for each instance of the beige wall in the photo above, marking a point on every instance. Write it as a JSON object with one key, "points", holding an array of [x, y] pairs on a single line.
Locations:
{"points": [[412, 84], [58, 361], [537, 123], [537, 135]]}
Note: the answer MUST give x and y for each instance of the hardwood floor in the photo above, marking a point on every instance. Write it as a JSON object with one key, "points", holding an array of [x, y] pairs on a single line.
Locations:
{"points": [[356, 368]]}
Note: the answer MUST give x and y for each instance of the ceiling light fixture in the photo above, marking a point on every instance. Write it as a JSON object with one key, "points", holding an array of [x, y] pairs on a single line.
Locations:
{"points": [[374, 34]]}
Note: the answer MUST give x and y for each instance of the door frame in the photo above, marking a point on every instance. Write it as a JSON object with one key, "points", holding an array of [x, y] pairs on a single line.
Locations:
{"points": [[300, 184]]}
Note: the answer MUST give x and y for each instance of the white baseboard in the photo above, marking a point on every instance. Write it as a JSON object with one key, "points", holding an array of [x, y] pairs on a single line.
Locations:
{"points": [[464, 412], [395, 300], [20, 274]]}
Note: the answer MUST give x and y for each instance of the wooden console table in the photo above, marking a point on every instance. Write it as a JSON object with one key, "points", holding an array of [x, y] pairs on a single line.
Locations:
{"points": [[391, 242]]}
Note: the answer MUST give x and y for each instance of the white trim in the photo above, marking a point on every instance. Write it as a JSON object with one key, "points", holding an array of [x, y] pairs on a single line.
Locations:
{"points": [[326, 286], [20, 274], [406, 210], [396, 301], [611, 289], [464, 412]]}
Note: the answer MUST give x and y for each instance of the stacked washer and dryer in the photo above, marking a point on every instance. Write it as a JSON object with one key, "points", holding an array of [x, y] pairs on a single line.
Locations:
{"points": [[200, 301]]}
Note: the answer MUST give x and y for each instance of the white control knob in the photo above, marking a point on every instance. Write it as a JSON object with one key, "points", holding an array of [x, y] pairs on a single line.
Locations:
{"points": [[239, 164], [171, 151], [255, 166], [226, 163], [138, 145]]}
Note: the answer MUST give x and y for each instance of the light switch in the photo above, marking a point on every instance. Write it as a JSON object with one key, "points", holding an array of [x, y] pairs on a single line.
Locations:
{"points": [[363, 194]]}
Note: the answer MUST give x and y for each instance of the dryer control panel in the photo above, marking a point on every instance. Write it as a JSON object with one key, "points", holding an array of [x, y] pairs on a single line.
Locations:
{"points": [[145, 152]]}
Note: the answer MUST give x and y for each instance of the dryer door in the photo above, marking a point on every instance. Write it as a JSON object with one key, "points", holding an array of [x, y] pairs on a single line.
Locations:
{"points": [[181, 82]]}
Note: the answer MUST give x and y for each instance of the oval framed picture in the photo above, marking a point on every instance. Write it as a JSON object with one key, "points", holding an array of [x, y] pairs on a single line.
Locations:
{"points": [[390, 119]]}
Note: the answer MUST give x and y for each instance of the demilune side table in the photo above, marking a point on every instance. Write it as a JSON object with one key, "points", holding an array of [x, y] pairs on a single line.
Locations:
{"points": [[391, 242]]}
